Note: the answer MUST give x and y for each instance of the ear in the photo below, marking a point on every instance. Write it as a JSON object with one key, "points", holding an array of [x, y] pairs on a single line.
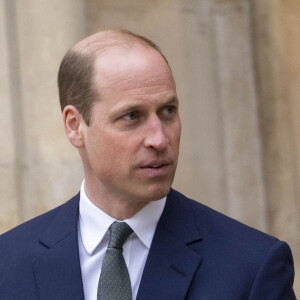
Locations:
{"points": [[73, 124]]}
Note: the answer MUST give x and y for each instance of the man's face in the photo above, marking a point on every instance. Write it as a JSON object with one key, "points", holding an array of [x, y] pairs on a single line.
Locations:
{"points": [[131, 146]]}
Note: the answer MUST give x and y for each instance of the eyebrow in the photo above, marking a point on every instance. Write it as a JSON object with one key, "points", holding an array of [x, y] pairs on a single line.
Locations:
{"points": [[123, 108]]}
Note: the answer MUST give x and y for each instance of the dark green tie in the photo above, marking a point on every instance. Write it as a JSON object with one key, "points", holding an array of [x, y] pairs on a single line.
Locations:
{"points": [[114, 282]]}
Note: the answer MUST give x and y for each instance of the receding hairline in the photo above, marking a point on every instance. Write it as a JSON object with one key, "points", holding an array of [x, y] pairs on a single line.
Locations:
{"points": [[117, 38], [77, 69]]}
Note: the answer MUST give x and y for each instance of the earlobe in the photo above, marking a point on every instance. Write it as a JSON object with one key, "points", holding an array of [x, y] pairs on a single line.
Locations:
{"points": [[73, 125]]}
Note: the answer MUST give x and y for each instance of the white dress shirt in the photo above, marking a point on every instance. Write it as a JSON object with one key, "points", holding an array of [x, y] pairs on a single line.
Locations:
{"points": [[93, 237]]}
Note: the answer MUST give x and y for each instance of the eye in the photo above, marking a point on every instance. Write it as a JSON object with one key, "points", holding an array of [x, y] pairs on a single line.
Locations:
{"points": [[133, 115], [170, 109]]}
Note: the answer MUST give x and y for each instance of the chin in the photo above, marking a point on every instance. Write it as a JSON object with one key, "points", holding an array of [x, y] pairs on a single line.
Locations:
{"points": [[157, 193]]}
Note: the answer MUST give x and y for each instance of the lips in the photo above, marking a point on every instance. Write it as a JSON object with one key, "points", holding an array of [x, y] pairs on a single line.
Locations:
{"points": [[155, 168], [156, 164]]}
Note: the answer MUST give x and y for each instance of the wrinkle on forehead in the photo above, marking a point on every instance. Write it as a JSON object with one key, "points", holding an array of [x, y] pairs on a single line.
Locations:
{"points": [[150, 81]]}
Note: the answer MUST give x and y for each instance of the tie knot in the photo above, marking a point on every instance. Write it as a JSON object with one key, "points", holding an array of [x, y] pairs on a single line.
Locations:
{"points": [[119, 232]]}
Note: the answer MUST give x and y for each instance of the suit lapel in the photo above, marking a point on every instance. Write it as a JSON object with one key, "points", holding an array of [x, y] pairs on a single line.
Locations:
{"points": [[171, 262], [169, 269], [57, 268]]}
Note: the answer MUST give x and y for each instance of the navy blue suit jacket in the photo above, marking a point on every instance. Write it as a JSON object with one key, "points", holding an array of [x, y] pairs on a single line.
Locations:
{"points": [[196, 253]]}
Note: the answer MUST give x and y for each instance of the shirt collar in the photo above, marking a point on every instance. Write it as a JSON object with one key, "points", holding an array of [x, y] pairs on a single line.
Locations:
{"points": [[94, 223]]}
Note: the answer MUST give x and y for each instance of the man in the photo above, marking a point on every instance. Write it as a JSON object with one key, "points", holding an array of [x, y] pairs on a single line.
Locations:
{"points": [[120, 110]]}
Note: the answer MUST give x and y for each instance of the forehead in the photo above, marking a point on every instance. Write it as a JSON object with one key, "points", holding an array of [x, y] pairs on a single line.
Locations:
{"points": [[131, 70]]}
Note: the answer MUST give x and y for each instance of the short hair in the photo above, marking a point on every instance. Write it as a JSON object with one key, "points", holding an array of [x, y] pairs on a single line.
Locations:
{"points": [[76, 72]]}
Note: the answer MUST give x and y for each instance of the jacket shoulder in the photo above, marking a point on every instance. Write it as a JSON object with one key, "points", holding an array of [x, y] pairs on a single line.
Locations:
{"points": [[30, 230], [253, 264], [215, 225]]}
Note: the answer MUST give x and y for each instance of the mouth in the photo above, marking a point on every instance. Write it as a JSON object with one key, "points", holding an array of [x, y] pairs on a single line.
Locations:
{"points": [[156, 164], [155, 168]]}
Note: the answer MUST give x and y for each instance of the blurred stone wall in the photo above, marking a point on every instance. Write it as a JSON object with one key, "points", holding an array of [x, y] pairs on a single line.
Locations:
{"points": [[237, 67]]}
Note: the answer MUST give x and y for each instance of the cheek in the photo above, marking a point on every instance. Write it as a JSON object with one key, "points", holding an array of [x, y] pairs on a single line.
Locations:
{"points": [[179, 135], [175, 134], [101, 151], [105, 163], [115, 154]]}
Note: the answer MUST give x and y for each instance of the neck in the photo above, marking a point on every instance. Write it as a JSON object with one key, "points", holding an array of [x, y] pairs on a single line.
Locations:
{"points": [[116, 207]]}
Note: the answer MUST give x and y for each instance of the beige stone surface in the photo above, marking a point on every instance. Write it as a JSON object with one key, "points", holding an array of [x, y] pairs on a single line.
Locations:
{"points": [[278, 111], [289, 20], [238, 103], [6, 137], [201, 170], [47, 166], [9, 212]]}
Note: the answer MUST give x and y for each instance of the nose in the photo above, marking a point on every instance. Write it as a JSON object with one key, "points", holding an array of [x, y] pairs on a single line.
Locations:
{"points": [[155, 136]]}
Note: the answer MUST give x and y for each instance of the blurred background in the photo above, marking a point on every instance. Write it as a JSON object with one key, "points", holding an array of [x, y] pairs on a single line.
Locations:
{"points": [[237, 68]]}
